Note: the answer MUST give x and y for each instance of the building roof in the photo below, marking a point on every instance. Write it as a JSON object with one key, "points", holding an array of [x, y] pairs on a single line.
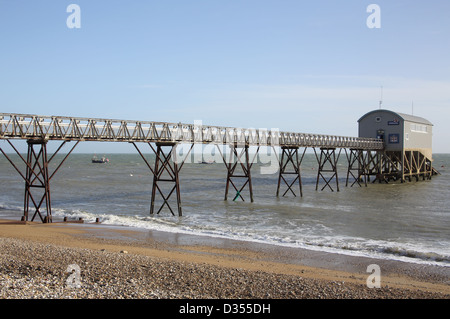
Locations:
{"points": [[405, 117]]}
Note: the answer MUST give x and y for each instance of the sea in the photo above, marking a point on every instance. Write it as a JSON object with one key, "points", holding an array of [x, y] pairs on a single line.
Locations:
{"points": [[397, 221]]}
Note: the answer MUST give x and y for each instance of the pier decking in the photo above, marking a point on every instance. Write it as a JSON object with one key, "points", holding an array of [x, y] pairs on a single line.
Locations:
{"points": [[39, 130], [36, 127]]}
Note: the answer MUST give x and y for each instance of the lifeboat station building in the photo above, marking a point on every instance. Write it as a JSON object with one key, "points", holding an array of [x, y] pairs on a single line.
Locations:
{"points": [[407, 149]]}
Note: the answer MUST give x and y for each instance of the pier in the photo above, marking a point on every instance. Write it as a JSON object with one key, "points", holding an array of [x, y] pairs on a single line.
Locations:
{"points": [[366, 156]]}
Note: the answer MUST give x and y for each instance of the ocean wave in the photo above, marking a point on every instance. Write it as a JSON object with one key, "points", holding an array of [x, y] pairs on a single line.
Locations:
{"points": [[333, 244], [4, 206], [411, 253], [306, 238]]}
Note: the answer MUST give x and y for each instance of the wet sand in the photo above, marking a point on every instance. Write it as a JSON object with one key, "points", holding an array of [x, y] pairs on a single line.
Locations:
{"points": [[119, 262]]}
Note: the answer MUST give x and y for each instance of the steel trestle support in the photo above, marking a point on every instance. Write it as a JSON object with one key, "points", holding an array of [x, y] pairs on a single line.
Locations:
{"points": [[37, 177], [327, 156], [356, 163], [290, 155], [397, 165], [165, 170], [239, 159]]}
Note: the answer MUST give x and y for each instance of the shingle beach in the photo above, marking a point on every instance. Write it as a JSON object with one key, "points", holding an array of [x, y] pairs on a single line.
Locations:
{"points": [[50, 261]]}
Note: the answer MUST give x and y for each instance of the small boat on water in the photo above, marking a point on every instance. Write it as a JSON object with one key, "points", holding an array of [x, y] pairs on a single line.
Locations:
{"points": [[95, 159], [204, 162]]}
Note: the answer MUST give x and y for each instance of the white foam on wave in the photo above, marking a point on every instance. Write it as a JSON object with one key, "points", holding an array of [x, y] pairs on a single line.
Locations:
{"points": [[407, 252], [5, 206]]}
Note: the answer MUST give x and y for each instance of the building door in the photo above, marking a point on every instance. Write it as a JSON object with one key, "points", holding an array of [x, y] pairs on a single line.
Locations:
{"points": [[380, 134]]}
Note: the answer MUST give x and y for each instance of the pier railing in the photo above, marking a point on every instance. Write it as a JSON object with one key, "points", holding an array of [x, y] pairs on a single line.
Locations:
{"points": [[25, 126], [365, 156]]}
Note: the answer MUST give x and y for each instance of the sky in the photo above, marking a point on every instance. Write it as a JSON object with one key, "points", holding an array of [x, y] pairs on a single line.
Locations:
{"points": [[300, 66]]}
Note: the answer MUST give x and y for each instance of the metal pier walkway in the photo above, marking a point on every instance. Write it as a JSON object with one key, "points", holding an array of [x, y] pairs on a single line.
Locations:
{"points": [[39, 130], [24, 126]]}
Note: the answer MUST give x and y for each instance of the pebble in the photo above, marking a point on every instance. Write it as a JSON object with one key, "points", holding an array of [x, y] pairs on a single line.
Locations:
{"points": [[34, 270]]}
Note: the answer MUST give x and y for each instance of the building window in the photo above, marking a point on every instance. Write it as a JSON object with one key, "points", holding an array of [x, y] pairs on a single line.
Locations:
{"points": [[419, 128], [394, 138], [378, 119], [407, 136]]}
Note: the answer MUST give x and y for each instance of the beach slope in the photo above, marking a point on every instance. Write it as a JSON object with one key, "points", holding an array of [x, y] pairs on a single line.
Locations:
{"points": [[63, 260]]}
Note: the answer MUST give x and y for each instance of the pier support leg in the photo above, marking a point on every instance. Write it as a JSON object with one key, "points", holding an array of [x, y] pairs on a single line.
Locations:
{"points": [[372, 166], [37, 178], [356, 163], [327, 164], [416, 165], [239, 159], [290, 155], [392, 166], [165, 171]]}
